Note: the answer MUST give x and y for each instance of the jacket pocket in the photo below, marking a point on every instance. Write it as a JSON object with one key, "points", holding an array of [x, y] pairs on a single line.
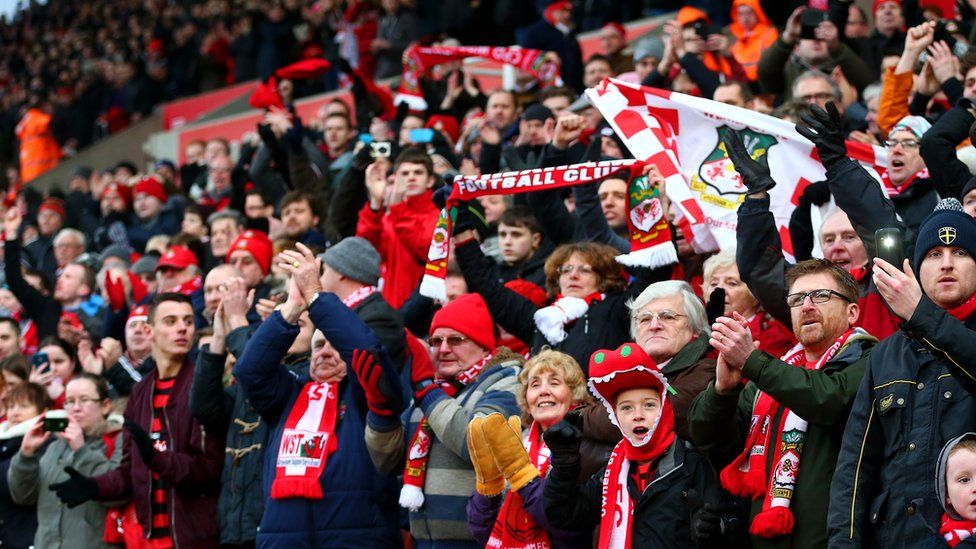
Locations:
{"points": [[951, 396], [876, 514], [891, 406]]}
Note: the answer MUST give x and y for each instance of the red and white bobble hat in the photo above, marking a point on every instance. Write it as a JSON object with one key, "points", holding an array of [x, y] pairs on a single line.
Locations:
{"points": [[627, 367]]}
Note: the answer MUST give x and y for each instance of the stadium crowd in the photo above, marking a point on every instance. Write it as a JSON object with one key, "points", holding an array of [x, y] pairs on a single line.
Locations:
{"points": [[239, 350]]}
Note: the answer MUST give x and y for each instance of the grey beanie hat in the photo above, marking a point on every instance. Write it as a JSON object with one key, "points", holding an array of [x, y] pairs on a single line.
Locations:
{"points": [[115, 250], [941, 469], [146, 264], [648, 47], [354, 257]]}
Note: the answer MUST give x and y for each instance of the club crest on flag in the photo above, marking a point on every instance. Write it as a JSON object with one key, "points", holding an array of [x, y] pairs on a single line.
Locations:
{"points": [[645, 205], [716, 178]]}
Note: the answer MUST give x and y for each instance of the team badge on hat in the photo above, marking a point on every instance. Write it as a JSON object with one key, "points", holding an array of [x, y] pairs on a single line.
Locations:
{"points": [[947, 235]]}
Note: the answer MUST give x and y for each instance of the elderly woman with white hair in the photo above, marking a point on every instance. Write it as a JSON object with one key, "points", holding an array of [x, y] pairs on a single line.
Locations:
{"points": [[668, 321], [721, 271]]}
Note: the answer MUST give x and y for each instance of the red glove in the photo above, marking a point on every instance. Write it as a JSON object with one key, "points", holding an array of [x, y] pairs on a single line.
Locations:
{"points": [[374, 384], [139, 290], [116, 293], [421, 369]]}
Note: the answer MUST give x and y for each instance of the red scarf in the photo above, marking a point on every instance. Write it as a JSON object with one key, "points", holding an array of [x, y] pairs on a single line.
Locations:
{"points": [[421, 59], [954, 531], [617, 508], [358, 296], [650, 234], [964, 311], [418, 452], [780, 445], [515, 528], [895, 190], [307, 442], [189, 286]]}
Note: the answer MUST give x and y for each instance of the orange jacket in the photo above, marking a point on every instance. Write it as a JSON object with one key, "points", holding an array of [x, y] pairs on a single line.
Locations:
{"points": [[750, 44], [39, 152], [896, 91]]}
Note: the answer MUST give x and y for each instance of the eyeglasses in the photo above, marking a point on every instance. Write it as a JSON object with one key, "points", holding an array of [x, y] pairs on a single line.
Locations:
{"points": [[69, 402], [905, 143], [665, 317], [582, 269], [809, 98], [452, 341], [821, 295]]}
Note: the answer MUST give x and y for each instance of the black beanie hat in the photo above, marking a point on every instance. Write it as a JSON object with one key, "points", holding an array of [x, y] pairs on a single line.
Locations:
{"points": [[948, 225]]}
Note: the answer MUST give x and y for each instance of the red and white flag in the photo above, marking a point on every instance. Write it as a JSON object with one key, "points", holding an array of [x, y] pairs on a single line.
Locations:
{"points": [[681, 134]]}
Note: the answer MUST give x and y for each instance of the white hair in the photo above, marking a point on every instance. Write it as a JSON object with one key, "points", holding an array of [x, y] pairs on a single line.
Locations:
{"points": [[69, 232], [724, 258], [693, 306]]}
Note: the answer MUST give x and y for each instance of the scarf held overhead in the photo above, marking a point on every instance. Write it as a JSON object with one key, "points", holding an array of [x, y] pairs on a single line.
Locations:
{"points": [[647, 222], [422, 59], [781, 445]]}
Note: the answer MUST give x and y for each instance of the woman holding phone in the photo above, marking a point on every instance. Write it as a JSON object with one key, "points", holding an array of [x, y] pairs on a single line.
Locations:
{"points": [[54, 365], [47, 458]]}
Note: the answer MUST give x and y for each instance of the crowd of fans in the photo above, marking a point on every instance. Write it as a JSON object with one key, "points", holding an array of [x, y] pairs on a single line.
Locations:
{"points": [[235, 352], [96, 67]]}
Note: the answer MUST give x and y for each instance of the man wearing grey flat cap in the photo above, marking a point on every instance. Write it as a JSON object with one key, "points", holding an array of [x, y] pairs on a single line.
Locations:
{"points": [[351, 270]]}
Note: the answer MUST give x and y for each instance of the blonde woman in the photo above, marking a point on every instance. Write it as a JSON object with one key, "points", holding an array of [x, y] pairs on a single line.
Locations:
{"points": [[552, 384]]}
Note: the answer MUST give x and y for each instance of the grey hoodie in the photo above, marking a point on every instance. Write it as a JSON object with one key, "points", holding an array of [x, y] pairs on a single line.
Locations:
{"points": [[940, 473]]}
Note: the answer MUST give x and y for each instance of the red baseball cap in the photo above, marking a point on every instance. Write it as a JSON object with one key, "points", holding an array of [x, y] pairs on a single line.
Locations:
{"points": [[178, 257]]}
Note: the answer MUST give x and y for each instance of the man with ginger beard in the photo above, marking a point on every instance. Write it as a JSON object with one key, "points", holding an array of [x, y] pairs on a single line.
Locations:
{"points": [[916, 394], [169, 461], [802, 397]]}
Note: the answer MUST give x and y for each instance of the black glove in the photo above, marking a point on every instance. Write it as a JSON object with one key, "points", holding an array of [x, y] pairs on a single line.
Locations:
{"points": [[563, 440], [440, 196], [141, 439], [76, 490], [706, 522], [470, 215], [715, 306], [824, 129], [755, 176]]}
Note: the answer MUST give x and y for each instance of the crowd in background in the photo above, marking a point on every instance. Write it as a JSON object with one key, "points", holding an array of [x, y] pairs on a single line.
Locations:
{"points": [[234, 351]]}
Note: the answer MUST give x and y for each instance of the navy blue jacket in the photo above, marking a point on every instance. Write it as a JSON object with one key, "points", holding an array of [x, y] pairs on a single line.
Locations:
{"points": [[359, 507]]}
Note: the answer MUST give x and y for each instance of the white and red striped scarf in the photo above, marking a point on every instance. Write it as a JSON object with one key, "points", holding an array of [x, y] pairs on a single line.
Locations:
{"points": [[307, 442], [647, 222], [421, 59], [358, 296], [782, 444]]}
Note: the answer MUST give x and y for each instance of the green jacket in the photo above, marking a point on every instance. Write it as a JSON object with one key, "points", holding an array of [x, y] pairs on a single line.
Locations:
{"points": [[689, 372], [821, 397], [778, 68]]}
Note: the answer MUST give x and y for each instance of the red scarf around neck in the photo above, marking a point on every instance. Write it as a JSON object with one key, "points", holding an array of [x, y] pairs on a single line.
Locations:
{"points": [[189, 286], [780, 445], [617, 508], [954, 531], [515, 528], [358, 296], [895, 190], [307, 442], [965, 310], [418, 452]]}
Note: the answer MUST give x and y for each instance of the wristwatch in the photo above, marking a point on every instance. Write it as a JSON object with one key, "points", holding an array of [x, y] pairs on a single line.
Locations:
{"points": [[314, 297]]}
